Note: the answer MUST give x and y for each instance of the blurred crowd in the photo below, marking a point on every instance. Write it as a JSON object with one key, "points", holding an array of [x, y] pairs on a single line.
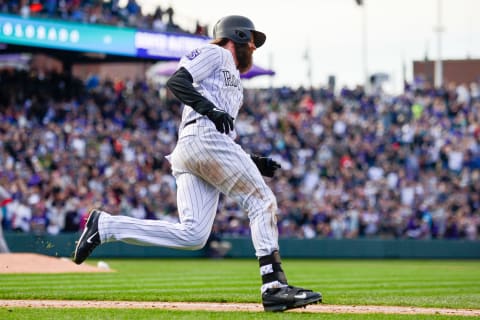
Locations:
{"points": [[354, 164], [113, 12]]}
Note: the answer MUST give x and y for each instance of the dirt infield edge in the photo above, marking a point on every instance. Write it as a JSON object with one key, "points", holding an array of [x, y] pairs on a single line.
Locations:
{"points": [[229, 307]]}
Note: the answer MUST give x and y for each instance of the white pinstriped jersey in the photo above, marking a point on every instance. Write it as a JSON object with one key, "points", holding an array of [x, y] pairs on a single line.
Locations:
{"points": [[206, 163], [216, 77]]}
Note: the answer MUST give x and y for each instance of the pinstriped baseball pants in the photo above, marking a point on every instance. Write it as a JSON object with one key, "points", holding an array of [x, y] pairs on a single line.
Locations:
{"points": [[205, 163]]}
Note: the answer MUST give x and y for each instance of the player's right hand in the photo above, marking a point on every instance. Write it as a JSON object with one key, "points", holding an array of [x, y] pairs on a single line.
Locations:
{"points": [[223, 121], [266, 166]]}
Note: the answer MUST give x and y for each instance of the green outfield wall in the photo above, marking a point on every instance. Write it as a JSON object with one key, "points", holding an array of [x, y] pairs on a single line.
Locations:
{"points": [[62, 245]]}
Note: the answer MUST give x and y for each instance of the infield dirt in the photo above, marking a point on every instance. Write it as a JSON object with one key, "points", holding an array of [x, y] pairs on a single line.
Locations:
{"points": [[37, 263], [228, 307]]}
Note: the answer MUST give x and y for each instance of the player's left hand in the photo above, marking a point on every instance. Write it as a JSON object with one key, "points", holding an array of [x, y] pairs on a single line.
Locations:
{"points": [[223, 121], [266, 166]]}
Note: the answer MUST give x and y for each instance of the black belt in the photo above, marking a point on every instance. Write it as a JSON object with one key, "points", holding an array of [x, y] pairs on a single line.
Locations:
{"points": [[190, 122]]}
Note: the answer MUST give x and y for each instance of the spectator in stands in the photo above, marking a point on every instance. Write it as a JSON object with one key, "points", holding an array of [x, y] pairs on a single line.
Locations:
{"points": [[4, 200], [157, 21]]}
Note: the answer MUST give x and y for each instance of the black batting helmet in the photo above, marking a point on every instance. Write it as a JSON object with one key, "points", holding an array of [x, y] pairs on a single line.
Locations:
{"points": [[238, 29]]}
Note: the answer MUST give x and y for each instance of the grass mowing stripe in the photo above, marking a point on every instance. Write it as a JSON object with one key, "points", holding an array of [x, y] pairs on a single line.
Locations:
{"points": [[399, 285], [443, 289], [158, 288], [112, 284]]}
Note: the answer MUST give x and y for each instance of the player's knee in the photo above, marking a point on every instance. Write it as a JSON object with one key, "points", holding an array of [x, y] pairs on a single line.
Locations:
{"points": [[264, 205], [195, 240], [196, 244]]}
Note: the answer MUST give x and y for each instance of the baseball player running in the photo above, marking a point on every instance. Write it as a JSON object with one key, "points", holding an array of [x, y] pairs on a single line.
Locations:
{"points": [[207, 161]]}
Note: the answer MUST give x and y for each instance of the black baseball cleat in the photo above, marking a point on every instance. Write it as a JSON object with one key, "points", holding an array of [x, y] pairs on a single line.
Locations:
{"points": [[89, 239], [281, 299]]}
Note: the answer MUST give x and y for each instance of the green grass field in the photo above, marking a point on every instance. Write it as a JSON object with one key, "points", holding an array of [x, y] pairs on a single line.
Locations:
{"points": [[432, 283]]}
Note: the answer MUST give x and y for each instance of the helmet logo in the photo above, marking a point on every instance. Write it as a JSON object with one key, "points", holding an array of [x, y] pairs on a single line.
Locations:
{"points": [[242, 35]]}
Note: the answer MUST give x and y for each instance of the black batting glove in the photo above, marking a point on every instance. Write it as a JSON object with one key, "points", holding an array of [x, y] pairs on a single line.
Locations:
{"points": [[266, 166], [223, 121]]}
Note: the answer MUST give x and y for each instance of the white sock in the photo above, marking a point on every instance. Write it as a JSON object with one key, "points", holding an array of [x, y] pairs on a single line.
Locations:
{"points": [[273, 284]]}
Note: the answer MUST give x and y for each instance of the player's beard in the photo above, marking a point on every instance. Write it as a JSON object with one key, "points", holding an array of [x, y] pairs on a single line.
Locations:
{"points": [[244, 57]]}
